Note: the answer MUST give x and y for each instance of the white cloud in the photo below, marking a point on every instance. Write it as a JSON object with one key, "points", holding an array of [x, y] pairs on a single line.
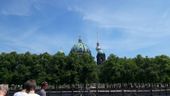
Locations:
{"points": [[144, 28], [141, 26]]}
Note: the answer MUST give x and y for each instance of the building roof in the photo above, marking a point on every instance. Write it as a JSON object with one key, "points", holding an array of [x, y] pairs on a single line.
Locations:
{"points": [[80, 47]]}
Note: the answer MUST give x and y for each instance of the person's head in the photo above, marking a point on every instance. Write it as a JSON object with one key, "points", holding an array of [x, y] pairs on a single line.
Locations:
{"points": [[3, 89], [25, 85], [30, 85], [44, 85]]}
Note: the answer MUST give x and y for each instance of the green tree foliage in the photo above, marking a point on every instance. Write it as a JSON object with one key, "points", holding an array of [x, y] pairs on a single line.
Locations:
{"points": [[135, 70], [76, 68]]}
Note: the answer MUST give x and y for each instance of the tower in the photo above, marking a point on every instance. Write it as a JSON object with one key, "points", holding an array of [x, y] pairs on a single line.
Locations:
{"points": [[100, 54]]}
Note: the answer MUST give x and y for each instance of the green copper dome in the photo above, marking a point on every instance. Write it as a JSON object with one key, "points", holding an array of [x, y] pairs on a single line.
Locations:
{"points": [[80, 47]]}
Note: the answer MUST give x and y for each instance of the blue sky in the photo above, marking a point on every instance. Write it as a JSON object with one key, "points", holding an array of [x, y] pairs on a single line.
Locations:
{"points": [[125, 27]]}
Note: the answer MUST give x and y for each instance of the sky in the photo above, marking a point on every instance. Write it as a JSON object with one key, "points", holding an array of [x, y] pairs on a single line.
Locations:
{"points": [[124, 27]]}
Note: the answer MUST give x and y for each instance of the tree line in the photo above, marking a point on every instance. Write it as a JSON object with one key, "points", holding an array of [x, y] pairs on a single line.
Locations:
{"points": [[74, 68]]}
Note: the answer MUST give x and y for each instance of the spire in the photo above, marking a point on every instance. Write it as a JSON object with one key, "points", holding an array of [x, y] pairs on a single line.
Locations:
{"points": [[79, 40], [97, 37], [98, 44]]}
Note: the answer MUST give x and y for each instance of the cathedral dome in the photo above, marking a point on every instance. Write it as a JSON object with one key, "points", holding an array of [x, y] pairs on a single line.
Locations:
{"points": [[80, 47]]}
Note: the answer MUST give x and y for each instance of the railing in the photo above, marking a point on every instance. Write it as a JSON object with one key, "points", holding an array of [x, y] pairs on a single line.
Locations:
{"points": [[111, 90]]}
